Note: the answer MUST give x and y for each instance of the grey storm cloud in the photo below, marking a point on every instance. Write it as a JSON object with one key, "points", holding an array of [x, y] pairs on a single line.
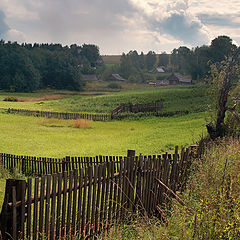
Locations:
{"points": [[3, 26], [182, 27], [60, 20], [226, 20]]}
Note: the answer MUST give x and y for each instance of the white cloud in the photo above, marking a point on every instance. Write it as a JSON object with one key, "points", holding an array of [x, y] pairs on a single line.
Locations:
{"points": [[15, 35]]}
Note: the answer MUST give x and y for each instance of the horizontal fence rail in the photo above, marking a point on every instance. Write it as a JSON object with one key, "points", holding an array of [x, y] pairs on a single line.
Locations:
{"points": [[60, 115], [85, 204]]}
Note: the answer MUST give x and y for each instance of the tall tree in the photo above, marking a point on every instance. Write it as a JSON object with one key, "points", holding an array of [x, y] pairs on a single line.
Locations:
{"points": [[223, 78]]}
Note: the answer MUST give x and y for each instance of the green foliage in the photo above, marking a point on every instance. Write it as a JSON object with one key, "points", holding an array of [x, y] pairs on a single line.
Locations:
{"points": [[28, 67], [114, 85]]}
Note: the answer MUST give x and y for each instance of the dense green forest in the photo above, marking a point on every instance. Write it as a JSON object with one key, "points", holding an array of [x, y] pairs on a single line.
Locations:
{"points": [[27, 67]]}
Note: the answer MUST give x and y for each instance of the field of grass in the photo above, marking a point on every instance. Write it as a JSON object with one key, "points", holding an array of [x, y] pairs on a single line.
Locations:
{"points": [[111, 59], [175, 98], [25, 135]]}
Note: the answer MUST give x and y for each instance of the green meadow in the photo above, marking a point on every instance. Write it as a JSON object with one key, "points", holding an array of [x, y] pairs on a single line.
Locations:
{"points": [[24, 135]]}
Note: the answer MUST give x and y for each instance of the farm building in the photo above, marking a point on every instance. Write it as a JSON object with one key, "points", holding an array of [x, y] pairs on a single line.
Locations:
{"points": [[116, 77], [90, 77], [177, 78], [160, 69]]}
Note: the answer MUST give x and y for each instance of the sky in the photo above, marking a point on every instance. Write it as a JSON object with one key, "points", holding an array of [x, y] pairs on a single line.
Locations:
{"points": [[118, 26]]}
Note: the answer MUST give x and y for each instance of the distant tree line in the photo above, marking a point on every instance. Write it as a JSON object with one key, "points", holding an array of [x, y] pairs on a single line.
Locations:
{"points": [[195, 62], [29, 67]]}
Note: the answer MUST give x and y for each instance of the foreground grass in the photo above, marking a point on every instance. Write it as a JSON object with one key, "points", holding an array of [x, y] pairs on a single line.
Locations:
{"points": [[26, 135]]}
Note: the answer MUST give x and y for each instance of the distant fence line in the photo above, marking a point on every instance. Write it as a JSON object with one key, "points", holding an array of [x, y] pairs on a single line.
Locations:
{"points": [[83, 204], [60, 115]]}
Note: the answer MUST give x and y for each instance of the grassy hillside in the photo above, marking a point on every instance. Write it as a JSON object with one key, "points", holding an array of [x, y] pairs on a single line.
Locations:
{"points": [[175, 99]]}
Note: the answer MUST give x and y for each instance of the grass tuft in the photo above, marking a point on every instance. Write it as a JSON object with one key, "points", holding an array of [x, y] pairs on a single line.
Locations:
{"points": [[82, 123]]}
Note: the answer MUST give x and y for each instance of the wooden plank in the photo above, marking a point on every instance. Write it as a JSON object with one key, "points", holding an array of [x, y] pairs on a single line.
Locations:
{"points": [[114, 201], [53, 206], [120, 190], [94, 200], [59, 191], [110, 176], [84, 204], [74, 207], [35, 208], [90, 175], [106, 195], [138, 199], [101, 220], [78, 232], [29, 204], [22, 207], [69, 206], [63, 225], [46, 229], [14, 214], [42, 194], [97, 207]]}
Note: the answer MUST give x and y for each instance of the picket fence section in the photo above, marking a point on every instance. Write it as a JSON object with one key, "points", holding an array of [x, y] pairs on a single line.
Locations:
{"points": [[37, 166], [60, 115], [85, 204]]}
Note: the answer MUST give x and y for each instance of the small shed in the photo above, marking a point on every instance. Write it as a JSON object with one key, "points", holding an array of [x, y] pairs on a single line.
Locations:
{"points": [[116, 77], [177, 78]]}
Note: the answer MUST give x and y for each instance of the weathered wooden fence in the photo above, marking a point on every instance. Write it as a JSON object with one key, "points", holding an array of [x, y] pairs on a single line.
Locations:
{"points": [[85, 204], [153, 107], [37, 166], [60, 115]]}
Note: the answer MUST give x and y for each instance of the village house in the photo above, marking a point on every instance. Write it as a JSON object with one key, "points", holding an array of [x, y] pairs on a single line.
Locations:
{"points": [[116, 77]]}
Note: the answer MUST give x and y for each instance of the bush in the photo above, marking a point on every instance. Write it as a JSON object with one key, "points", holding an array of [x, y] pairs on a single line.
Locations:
{"points": [[10, 99], [114, 86]]}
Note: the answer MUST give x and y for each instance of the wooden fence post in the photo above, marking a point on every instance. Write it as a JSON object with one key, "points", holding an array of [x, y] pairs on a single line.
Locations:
{"points": [[13, 216]]}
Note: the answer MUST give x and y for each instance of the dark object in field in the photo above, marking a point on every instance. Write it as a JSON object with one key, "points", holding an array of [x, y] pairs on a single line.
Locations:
{"points": [[10, 99]]}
